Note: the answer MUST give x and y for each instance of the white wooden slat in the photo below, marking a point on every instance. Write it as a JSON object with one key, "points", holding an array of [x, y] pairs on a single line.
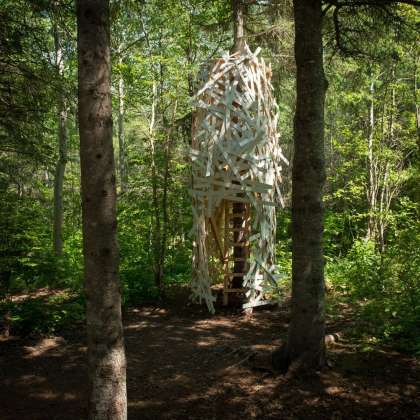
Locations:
{"points": [[236, 127], [260, 303]]}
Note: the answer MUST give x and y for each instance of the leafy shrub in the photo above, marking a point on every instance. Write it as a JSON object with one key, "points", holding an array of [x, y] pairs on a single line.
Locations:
{"points": [[44, 315], [385, 287], [359, 272]]}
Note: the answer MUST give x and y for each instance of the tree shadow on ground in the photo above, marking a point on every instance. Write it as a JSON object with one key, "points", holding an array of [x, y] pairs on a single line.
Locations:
{"points": [[185, 364]]}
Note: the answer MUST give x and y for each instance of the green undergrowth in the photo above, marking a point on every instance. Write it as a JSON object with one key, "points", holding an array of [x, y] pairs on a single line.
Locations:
{"points": [[43, 315], [382, 292], [373, 323]]}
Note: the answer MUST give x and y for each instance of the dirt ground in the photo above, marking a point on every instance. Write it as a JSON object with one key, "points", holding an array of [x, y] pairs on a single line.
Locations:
{"points": [[185, 364]]}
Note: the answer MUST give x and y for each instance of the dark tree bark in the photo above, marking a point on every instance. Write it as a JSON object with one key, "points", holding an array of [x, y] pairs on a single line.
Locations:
{"points": [[106, 356], [307, 327], [238, 25]]}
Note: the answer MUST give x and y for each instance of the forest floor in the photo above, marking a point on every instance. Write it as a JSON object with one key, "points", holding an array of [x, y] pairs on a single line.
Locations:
{"points": [[185, 364]]}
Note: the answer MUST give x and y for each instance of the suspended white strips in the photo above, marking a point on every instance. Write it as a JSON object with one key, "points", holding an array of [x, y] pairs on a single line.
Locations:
{"points": [[236, 158], [261, 303], [226, 67], [254, 187]]}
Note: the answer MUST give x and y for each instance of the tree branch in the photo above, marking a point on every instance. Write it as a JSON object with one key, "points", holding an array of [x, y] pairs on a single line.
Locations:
{"points": [[379, 3]]}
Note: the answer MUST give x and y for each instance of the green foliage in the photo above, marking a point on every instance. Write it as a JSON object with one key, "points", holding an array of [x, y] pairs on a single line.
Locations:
{"points": [[372, 180], [358, 273], [385, 287], [284, 248], [23, 242], [25, 248], [40, 316], [136, 266]]}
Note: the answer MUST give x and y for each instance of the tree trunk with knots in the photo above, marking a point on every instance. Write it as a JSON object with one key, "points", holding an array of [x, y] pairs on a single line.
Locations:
{"points": [[305, 346], [106, 355]]}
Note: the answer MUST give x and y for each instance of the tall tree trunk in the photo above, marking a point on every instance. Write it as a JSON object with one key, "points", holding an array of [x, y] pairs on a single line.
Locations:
{"points": [[62, 152], [384, 184], [416, 104], [372, 181], [238, 24], [106, 355], [121, 133], [156, 237], [156, 232], [417, 113], [307, 327], [166, 179]]}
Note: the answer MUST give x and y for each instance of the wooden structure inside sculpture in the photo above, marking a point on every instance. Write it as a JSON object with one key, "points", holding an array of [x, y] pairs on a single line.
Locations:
{"points": [[236, 165]]}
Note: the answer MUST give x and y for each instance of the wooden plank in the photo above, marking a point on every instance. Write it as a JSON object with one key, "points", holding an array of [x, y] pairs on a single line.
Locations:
{"points": [[269, 203], [237, 127], [236, 199], [215, 77], [216, 235], [233, 215], [260, 303], [242, 166], [225, 299], [234, 290], [226, 225], [234, 183], [229, 274], [226, 205]]}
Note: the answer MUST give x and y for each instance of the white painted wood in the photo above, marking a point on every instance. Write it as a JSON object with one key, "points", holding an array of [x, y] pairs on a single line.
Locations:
{"points": [[236, 158]]}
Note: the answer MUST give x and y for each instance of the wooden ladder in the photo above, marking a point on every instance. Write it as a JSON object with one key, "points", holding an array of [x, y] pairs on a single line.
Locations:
{"points": [[237, 229]]}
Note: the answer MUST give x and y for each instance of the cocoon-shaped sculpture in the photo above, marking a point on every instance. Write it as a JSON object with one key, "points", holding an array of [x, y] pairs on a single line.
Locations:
{"points": [[236, 176]]}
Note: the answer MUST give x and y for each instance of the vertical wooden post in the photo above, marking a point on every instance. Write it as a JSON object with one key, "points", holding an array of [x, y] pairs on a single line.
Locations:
{"points": [[238, 209], [226, 247]]}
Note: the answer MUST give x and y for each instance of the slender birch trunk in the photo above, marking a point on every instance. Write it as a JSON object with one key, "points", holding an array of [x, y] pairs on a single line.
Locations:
{"points": [[121, 133], [416, 105], [372, 181], [384, 191], [62, 152], [156, 237], [166, 177]]}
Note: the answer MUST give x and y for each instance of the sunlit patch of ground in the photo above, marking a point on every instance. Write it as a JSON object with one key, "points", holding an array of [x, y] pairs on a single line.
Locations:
{"points": [[185, 364]]}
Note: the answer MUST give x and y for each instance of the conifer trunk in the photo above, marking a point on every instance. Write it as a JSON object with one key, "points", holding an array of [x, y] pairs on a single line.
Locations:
{"points": [[238, 25], [106, 356], [307, 327]]}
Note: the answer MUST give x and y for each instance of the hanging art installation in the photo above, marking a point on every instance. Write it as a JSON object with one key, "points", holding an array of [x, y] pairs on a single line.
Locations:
{"points": [[236, 175]]}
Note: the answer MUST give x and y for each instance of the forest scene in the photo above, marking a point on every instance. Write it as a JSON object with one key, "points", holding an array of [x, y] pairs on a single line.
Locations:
{"points": [[117, 297]]}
